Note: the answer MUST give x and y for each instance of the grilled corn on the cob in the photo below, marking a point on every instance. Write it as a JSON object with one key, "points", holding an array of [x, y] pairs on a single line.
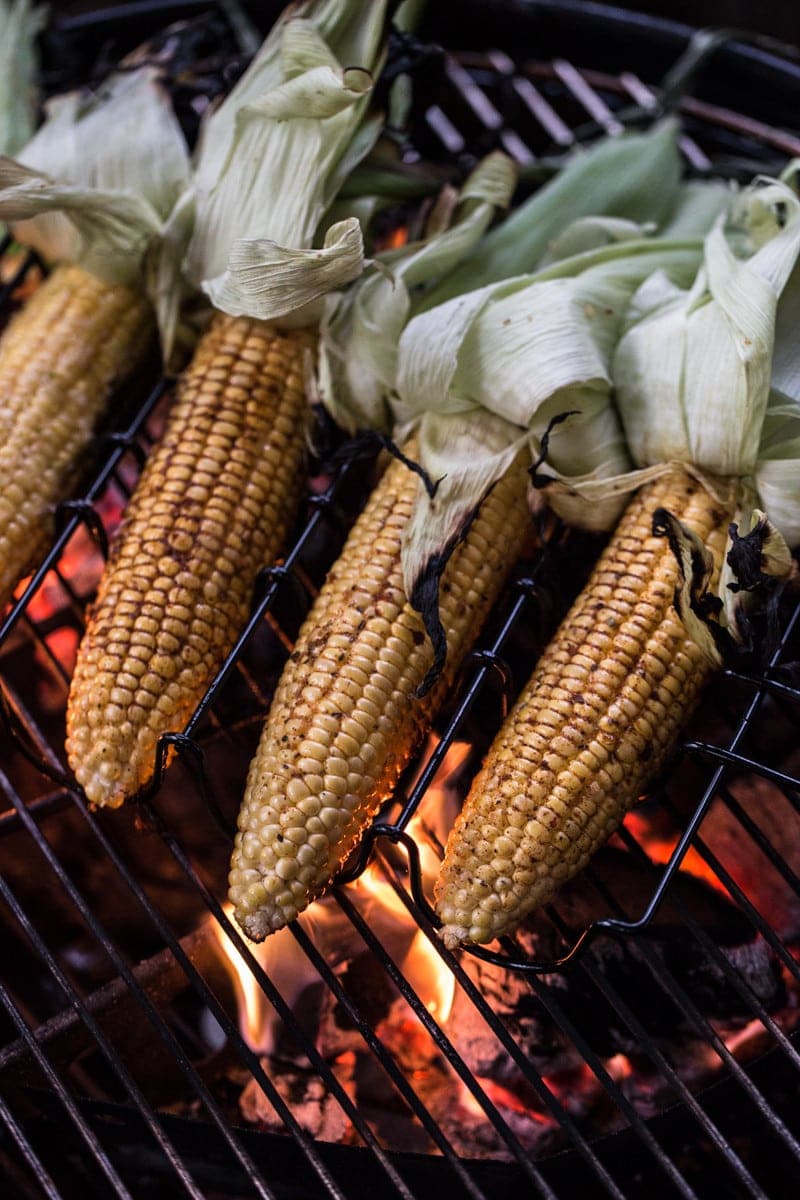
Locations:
{"points": [[60, 358], [597, 719], [213, 505], [344, 720]]}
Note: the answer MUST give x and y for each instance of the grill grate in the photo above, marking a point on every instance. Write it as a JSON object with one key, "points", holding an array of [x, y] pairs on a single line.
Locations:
{"points": [[119, 1142]]}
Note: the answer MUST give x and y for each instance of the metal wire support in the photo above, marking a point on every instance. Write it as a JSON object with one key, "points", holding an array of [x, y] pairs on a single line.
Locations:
{"points": [[162, 861]]}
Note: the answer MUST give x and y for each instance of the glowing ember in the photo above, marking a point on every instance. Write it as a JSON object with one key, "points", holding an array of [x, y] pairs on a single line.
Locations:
{"points": [[661, 849]]}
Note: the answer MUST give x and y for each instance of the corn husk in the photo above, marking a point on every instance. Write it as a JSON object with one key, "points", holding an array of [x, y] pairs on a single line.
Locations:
{"points": [[693, 371], [273, 157], [709, 376], [19, 24], [498, 368], [757, 564], [98, 184], [634, 177], [361, 327]]}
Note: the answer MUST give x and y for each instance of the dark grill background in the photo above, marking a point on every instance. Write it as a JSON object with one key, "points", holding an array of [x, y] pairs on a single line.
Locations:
{"points": [[86, 896]]}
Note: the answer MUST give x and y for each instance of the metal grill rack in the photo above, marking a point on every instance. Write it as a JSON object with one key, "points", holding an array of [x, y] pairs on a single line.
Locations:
{"points": [[62, 1136]]}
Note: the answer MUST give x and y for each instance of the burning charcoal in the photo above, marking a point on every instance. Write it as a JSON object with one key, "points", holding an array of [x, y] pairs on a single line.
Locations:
{"points": [[511, 1000], [472, 1135], [647, 1089], [313, 1106], [777, 819], [622, 966], [370, 989], [315, 1010]]}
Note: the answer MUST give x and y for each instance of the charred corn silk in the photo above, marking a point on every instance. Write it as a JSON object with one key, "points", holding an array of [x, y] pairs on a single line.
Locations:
{"points": [[213, 505], [60, 358], [596, 721], [680, 358], [344, 720]]}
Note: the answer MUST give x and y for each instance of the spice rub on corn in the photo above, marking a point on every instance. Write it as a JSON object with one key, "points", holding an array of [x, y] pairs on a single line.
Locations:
{"points": [[345, 719], [598, 718], [213, 506], [60, 359]]}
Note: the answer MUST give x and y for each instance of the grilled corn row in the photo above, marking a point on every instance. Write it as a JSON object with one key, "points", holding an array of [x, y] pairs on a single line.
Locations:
{"points": [[60, 358], [597, 719], [345, 720], [213, 505]]}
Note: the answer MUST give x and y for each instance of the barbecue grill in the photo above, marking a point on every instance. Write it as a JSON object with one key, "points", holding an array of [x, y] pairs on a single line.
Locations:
{"points": [[639, 1034]]}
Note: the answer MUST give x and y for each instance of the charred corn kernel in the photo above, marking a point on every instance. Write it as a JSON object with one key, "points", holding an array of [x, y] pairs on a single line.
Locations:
{"points": [[60, 358], [213, 505], [328, 760], [597, 719]]}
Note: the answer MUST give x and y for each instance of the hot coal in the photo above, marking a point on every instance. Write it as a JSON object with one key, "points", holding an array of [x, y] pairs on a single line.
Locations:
{"points": [[774, 891], [621, 965]]}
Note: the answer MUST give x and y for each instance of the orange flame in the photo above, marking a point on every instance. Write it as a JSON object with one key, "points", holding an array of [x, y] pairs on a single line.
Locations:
{"points": [[660, 851], [291, 971], [396, 239]]}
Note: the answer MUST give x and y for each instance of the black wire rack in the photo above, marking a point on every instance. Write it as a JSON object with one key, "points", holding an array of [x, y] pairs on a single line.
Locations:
{"points": [[604, 985]]}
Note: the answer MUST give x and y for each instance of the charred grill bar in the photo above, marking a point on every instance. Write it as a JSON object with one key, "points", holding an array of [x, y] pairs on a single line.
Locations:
{"points": [[640, 1033]]}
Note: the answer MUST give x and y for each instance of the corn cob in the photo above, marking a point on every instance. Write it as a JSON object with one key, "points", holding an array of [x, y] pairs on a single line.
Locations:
{"points": [[344, 720], [213, 505], [597, 719], [60, 358]]}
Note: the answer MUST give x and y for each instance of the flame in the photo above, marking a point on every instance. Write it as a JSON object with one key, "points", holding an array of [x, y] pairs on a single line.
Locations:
{"points": [[288, 967], [396, 239], [421, 965]]}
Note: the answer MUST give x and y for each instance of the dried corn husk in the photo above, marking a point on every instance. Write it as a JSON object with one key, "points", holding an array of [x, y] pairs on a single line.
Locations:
{"points": [[491, 370], [19, 24], [273, 157], [98, 184], [362, 326]]}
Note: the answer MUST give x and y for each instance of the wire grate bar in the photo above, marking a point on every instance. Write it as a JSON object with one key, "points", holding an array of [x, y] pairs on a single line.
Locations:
{"points": [[648, 1047], [146, 1005], [548, 1098], [614, 1092], [725, 965], [444, 1044], [587, 96], [731, 758], [46, 649], [473, 95], [756, 919], [389, 1064], [489, 659], [201, 988], [278, 574], [543, 112], [56, 1084], [44, 806], [704, 1029], [688, 839], [100, 481], [70, 1107], [757, 835], [287, 1016], [26, 1150]]}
